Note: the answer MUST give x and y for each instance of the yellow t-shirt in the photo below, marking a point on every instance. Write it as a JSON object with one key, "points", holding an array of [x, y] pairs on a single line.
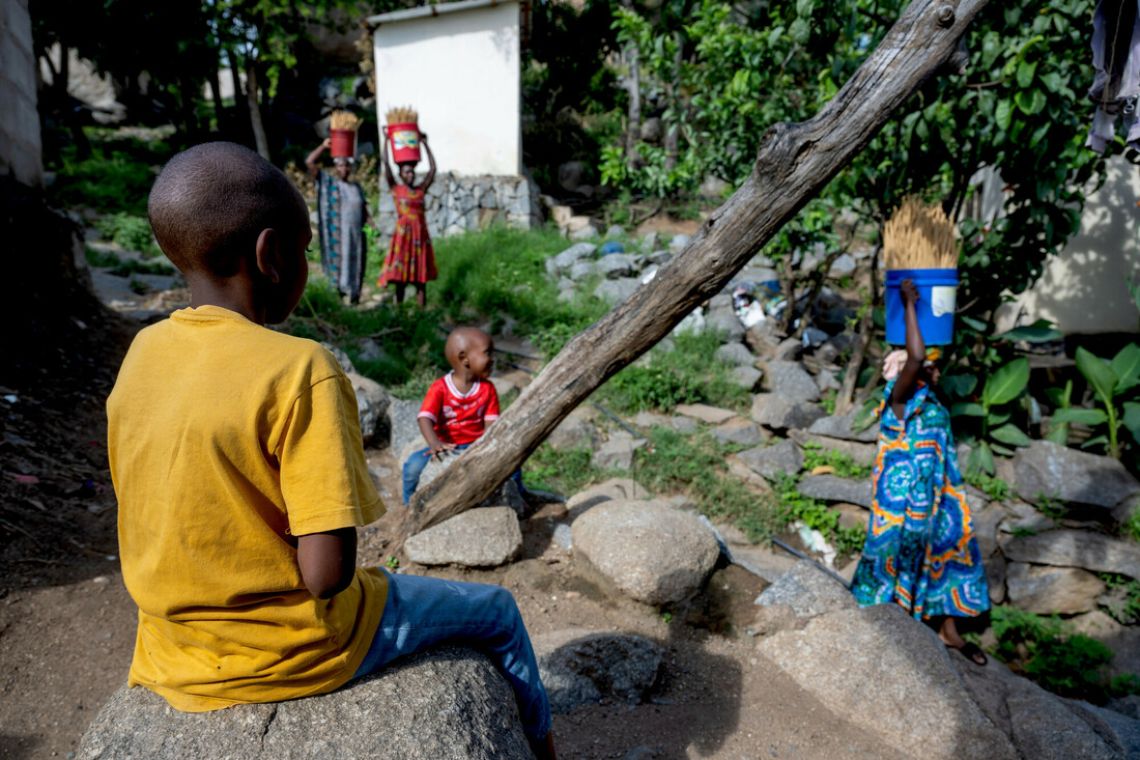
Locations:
{"points": [[227, 440]]}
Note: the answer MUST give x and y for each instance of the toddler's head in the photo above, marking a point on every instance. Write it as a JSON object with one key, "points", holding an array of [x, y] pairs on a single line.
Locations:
{"points": [[472, 350]]}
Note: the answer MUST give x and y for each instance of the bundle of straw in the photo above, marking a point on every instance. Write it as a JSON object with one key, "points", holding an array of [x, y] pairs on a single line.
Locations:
{"points": [[918, 236], [402, 115], [344, 120]]}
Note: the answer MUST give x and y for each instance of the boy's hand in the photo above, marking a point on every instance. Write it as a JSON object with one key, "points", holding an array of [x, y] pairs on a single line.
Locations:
{"points": [[909, 292], [439, 448]]}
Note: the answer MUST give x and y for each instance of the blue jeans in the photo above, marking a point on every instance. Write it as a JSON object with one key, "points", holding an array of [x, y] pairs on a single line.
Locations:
{"points": [[424, 612], [414, 468]]}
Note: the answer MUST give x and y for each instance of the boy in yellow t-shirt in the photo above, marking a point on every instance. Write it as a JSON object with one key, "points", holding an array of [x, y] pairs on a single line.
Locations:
{"points": [[237, 461]]}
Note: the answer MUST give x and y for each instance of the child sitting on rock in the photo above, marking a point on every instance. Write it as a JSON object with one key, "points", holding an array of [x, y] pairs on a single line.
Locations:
{"points": [[238, 465], [458, 406]]}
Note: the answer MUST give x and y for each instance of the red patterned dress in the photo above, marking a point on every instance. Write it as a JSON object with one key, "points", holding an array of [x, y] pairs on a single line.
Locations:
{"points": [[410, 255]]}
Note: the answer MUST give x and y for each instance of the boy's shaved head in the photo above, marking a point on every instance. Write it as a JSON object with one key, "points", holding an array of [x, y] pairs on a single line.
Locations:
{"points": [[462, 339], [211, 202]]}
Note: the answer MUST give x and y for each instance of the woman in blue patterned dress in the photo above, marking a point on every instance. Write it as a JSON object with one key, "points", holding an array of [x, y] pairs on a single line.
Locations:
{"points": [[920, 551]]}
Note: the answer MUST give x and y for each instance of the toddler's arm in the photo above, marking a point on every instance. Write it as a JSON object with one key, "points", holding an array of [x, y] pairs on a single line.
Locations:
{"points": [[427, 430], [327, 561]]}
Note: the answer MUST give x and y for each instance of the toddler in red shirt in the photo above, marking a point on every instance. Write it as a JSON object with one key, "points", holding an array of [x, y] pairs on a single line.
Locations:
{"points": [[458, 406]]}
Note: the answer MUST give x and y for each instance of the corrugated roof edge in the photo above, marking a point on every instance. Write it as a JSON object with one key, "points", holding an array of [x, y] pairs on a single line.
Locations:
{"points": [[438, 9]]}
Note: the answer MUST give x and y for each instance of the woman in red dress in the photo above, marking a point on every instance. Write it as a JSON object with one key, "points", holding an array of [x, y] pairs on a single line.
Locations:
{"points": [[410, 258]]}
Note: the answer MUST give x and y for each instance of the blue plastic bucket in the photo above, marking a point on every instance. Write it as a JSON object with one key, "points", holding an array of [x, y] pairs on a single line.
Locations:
{"points": [[937, 301]]}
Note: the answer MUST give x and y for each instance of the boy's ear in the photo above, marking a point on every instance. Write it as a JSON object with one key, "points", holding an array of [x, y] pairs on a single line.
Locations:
{"points": [[268, 254]]}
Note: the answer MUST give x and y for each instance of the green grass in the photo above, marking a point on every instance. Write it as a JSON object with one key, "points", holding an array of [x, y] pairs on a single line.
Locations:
{"points": [[794, 506], [843, 465], [1130, 528], [565, 472], [131, 232], [116, 177], [126, 267], [1046, 650], [993, 487]]}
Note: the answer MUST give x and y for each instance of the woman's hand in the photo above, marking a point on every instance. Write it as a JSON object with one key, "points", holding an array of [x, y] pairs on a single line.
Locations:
{"points": [[326, 143], [909, 292]]}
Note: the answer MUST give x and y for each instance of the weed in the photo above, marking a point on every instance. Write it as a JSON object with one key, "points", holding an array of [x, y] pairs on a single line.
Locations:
{"points": [[993, 487], [1131, 525], [549, 469], [816, 515], [843, 465], [137, 286], [1050, 507], [392, 563], [1123, 598], [115, 177], [1047, 651], [1022, 532], [666, 617], [129, 231]]}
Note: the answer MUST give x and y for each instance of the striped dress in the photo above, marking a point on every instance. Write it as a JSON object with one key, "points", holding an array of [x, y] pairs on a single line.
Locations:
{"points": [[920, 551]]}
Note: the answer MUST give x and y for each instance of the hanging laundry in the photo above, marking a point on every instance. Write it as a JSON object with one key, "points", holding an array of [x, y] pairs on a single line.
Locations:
{"points": [[1116, 85]]}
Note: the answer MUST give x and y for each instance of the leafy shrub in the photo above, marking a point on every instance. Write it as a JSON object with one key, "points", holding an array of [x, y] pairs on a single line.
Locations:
{"points": [[564, 472], [816, 515], [131, 232], [993, 487], [843, 465], [1112, 382], [1045, 650]]}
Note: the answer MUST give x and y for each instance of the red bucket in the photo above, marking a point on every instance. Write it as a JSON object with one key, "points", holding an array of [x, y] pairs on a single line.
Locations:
{"points": [[405, 140], [343, 143]]}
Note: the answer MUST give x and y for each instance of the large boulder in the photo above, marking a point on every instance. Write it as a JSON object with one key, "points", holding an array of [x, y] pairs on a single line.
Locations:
{"points": [[449, 703], [791, 381], [1046, 470], [615, 291], [880, 669], [808, 590], [484, 537], [650, 551], [736, 354], [1052, 590], [783, 458], [1042, 726], [1077, 548], [372, 403], [402, 426], [581, 667], [614, 489], [780, 413], [832, 488]]}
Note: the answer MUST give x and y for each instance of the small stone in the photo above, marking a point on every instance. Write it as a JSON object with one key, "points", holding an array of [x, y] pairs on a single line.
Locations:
{"points": [[620, 489], [791, 381], [709, 414], [831, 488], [678, 243], [616, 265], [841, 426], [784, 458], [778, 413], [574, 432], [1052, 590], [736, 354], [615, 291], [738, 431], [809, 591], [617, 452], [746, 377]]}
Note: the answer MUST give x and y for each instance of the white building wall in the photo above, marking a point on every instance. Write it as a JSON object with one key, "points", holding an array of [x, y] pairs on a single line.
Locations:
{"points": [[460, 70], [20, 150], [1084, 289]]}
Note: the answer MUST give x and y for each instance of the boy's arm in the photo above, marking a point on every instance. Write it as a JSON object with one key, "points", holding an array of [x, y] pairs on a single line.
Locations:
{"points": [[327, 561]]}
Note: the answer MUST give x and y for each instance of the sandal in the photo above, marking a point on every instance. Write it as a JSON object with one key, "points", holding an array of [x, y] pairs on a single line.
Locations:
{"points": [[973, 653]]}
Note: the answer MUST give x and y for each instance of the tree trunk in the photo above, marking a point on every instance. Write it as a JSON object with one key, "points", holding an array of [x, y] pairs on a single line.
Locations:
{"points": [[795, 162], [251, 97], [633, 126]]}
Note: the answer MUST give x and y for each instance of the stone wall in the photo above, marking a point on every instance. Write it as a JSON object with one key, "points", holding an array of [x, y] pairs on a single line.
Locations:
{"points": [[19, 120], [457, 204]]}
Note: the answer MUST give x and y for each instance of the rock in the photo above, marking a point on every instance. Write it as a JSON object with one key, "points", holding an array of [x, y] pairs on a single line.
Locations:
{"points": [[580, 270], [1052, 590], [506, 495], [614, 489], [660, 258], [580, 667], [736, 354], [995, 565], [372, 403], [1120, 732], [746, 377], [784, 458], [1041, 725], [571, 174], [649, 241], [859, 453], [1118, 601], [651, 130], [562, 537], [575, 253], [1047, 470], [402, 424], [851, 516], [678, 243], [778, 413], [447, 703], [809, 591], [703, 412], [757, 559], [574, 432], [651, 420], [841, 659], [723, 320], [773, 619], [616, 265], [615, 231], [986, 517], [341, 358], [738, 431], [580, 230], [485, 537], [1024, 518], [791, 381], [843, 266], [788, 349], [831, 488], [615, 291], [1077, 548], [684, 424], [714, 188], [652, 552], [826, 382], [617, 452], [840, 426]]}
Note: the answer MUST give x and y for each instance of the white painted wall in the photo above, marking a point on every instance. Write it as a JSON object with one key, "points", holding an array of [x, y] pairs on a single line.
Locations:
{"points": [[461, 72], [19, 119], [1084, 289]]}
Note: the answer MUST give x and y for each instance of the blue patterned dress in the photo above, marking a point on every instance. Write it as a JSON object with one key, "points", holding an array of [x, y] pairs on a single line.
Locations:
{"points": [[920, 551], [341, 213]]}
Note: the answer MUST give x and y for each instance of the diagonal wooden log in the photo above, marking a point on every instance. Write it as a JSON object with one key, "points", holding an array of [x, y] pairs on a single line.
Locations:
{"points": [[795, 161]]}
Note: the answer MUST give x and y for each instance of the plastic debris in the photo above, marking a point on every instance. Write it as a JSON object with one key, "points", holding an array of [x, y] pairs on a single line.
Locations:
{"points": [[612, 246]]}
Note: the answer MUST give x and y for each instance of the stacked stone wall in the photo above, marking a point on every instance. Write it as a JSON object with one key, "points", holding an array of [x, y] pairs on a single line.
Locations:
{"points": [[457, 204], [19, 120]]}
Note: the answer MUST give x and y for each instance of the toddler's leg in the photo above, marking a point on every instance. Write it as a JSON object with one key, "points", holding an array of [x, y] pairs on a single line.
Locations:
{"points": [[424, 612], [413, 469]]}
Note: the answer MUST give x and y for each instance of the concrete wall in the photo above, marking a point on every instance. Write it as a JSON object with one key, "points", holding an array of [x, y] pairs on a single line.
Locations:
{"points": [[20, 151], [461, 72], [1084, 289]]}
